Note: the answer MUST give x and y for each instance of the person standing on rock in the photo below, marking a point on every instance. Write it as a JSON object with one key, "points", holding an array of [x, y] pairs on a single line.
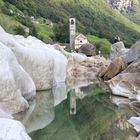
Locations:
{"points": [[117, 39]]}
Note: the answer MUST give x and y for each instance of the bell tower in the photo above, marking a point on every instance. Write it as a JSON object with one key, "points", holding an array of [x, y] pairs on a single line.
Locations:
{"points": [[72, 29]]}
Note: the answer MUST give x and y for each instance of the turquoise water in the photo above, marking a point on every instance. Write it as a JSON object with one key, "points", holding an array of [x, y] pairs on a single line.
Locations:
{"points": [[86, 113]]}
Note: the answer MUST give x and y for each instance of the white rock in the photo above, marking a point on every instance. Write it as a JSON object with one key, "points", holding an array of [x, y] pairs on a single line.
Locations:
{"points": [[12, 130], [120, 101], [60, 61], [44, 64], [78, 57], [15, 84], [5, 115], [135, 121]]}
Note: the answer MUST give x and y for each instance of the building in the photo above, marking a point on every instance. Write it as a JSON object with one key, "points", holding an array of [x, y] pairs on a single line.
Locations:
{"points": [[80, 40]]}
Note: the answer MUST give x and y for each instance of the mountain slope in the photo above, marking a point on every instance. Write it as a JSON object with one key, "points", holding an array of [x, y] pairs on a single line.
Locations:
{"points": [[15, 21], [93, 17], [6, 21], [134, 14], [129, 8]]}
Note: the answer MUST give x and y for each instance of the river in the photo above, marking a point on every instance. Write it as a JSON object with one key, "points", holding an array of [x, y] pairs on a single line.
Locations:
{"points": [[85, 112]]}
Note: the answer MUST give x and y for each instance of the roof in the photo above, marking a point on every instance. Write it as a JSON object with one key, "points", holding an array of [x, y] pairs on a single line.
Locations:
{"points": [[80, 36]]}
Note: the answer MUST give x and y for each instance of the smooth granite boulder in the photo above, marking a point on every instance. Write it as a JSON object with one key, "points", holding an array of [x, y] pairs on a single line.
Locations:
{"points": [[12, 130], [82, 68], [44, 63], [16, 86], [133, 53], [127, 83], [120, 60], [135, 121], [115, 67], [59, 60], [117, 50], [5, 115]]}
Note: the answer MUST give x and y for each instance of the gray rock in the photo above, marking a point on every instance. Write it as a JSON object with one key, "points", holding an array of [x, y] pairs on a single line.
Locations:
{"points": [[133, 53], [127, 83], [120, 101], [117, 50], [87, 49]]}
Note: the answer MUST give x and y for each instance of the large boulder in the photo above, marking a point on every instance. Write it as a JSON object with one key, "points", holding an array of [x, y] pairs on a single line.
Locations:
{"points": [[115, 67], [12, 130], [117, 50], [60, 61], [133, 53], [81, 67], [135, 121], [118, 64], [87, 49], [127, 82], [44, 64], [5, 115], [16, 86]]}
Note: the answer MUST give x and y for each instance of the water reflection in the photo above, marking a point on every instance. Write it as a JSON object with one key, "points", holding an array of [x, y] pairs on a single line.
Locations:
{"points": [[40, 114], [85, 113], [59, 93], [134, 118], [72, 102], [80, 92], [120, 101]]}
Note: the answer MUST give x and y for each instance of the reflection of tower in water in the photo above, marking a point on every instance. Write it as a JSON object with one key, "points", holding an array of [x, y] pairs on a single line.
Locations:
{"points": [[80, 92], [72, 102], [75, 94]]}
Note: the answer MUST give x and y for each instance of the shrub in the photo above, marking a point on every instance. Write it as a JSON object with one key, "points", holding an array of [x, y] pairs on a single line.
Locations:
{"points": [[19, 30], [100, 43]]}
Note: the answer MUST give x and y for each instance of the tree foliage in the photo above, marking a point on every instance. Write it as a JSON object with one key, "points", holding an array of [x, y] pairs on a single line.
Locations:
{"points": [[61, 32], [93, 17]]}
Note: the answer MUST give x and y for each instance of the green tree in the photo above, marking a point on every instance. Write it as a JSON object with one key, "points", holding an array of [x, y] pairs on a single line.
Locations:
{"points": [[20, 30], [61, 32]]}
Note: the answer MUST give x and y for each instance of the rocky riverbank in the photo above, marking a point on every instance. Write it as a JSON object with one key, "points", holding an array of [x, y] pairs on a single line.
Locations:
{"points": [[27, 65], [123, 76]]}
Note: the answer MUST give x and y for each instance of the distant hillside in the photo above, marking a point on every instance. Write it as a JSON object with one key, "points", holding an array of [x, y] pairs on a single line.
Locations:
{"points": [[134, 14], [94, 17], [121, 5], [129, 8], [15, 21]]}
